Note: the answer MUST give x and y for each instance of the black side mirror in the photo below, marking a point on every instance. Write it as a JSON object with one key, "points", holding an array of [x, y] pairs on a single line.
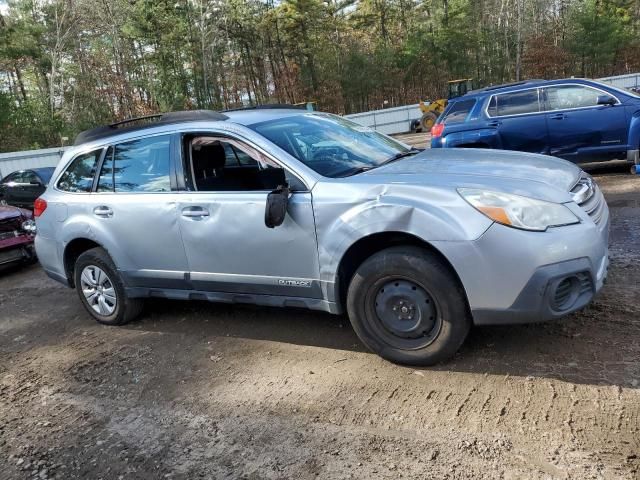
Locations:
{"points": [[36, 182], [606, 100], [276, 210]]}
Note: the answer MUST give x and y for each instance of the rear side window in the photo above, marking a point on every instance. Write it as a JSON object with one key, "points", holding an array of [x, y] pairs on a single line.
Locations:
{"points": [[78, 177], [516, 103], [30, 177], [138, 166], [15, 177], [458, 112]]}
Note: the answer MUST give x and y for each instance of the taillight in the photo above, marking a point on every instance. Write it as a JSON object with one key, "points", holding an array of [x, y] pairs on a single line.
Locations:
{"points": [[39, 206], [436, 130]]}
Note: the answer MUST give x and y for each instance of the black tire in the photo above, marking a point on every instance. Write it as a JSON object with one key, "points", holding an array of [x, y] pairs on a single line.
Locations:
{"points": [[437, 301], [124, 309], [427, 121]]}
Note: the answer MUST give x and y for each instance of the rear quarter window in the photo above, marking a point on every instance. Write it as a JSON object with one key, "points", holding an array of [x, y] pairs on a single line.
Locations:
{"points": [[458, 111], [78, 177]]}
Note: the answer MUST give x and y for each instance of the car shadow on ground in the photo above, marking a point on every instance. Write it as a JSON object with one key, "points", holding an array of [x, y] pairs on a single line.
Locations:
{"points": [[563, 349], [604, 168]]}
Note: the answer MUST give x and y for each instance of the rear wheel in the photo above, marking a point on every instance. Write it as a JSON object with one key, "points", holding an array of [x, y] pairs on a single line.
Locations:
{"points": [[101, 289], [407, 306]]}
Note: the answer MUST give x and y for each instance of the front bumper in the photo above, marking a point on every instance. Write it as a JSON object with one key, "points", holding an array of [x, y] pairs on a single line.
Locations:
{"points": [[16, 249], [552, 292], [514, 276]]}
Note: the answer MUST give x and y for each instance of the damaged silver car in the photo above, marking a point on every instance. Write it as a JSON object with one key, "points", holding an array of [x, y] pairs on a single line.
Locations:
{"points": [[284, 207]]}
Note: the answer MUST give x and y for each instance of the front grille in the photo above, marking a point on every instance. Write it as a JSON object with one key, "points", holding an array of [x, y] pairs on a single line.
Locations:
{"points": [[5, 235], [11, 256], [587, 194]]}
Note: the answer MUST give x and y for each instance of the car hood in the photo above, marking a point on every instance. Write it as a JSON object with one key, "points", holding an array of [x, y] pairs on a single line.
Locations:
{"points": [[517, 172]]}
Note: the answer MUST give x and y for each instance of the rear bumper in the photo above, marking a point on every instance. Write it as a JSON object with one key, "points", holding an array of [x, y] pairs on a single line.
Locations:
{"points": [[47, 251], [58, 278]]}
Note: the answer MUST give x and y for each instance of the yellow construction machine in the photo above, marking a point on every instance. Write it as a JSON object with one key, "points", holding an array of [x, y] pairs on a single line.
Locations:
{"points": [[431, 110]]}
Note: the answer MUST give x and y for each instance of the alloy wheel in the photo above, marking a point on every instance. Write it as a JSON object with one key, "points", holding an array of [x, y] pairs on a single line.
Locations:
{"points": [[98, 290]]}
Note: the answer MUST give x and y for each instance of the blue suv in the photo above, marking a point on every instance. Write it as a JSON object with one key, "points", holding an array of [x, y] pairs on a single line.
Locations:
{"points": [[575, 119]]}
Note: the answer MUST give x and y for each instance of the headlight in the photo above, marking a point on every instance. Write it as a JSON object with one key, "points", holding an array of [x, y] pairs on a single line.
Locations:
{"points": [[29, 226], [517, 211]]}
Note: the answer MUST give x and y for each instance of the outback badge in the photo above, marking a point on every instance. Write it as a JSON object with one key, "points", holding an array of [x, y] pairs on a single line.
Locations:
{"points": [[294, 283]]}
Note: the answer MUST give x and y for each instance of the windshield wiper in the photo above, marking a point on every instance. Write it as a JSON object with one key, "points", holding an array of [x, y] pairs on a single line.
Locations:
{"points": [[400, 155], [355, 171], [397, 156]]}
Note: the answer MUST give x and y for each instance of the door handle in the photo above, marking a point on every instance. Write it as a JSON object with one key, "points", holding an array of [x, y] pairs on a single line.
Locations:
{"points": [[558, 116], [195, 212], [494, 123], [103, 211]]}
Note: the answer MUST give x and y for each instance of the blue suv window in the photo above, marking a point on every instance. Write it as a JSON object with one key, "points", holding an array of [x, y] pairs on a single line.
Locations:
{"points": [[458, 111], [514, 103], [572, 96]]}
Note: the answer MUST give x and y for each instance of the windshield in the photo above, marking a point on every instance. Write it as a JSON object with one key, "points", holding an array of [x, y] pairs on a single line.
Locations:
{"points": [[330, 145]]}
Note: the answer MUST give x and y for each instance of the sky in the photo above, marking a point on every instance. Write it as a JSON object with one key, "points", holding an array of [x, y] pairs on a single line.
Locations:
{"points": [[3, 6]]}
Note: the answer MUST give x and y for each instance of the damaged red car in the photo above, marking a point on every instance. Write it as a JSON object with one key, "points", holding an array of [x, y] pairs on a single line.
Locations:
{"points": [[17, 230]]}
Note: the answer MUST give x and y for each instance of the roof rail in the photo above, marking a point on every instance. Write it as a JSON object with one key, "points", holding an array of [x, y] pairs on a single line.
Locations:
{"points": [[506, 85], [148, 121], [267, 106]]}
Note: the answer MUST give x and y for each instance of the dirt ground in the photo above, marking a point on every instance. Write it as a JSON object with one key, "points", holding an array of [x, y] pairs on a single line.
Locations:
{"points": [[198, 390]]}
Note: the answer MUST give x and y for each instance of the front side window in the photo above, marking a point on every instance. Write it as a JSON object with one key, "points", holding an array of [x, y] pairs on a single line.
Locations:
{"points": [[78, 177], [330, 145], [515, 103], [141, 165], [220, 164], [458, 111], [571, 96]]}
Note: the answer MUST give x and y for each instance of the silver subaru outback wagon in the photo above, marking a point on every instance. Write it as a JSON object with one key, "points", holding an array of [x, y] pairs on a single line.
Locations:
{"points": [[284, 207]]}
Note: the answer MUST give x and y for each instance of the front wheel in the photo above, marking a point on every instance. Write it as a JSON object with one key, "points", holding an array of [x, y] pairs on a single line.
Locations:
{"points": [[406, 305], [101, 289]]}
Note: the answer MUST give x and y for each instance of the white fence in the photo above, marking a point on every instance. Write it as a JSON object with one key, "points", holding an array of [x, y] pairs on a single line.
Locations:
{"points": [[623, 81], [398, 119], [10, 162], [390, 120]]}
